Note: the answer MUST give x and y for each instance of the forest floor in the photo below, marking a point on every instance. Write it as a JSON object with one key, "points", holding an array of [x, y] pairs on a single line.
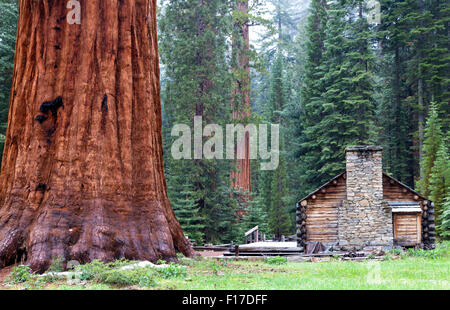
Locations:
{"points": [[413, 270]]}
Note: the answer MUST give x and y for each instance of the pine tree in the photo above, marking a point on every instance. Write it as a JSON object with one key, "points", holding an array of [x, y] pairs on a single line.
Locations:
{"points": [[440, 182], [426, 39], [279, 218], [437, 57], [185, 208], [445, 227], [193, 47], [310, 107], [413, 46], [255, 215], [341, 110], [8, 26], [395, 112], [284, 19], [432, 142], [273, 95]]}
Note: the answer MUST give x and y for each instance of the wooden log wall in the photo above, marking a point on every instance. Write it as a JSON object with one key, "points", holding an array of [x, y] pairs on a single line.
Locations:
{"points": [[393, 191], [301, 225], [317, 216], [428, 225]]}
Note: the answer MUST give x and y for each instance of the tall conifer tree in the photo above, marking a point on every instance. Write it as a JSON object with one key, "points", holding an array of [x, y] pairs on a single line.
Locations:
{"points": [[198, 83], [440, 183], [339, 104], [279, 218], [312, 89], [432, 142], [445, 228], [395, 112]]}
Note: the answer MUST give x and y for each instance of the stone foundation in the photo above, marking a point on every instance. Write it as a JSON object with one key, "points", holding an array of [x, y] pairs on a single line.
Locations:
{"points": [[364, 227]]}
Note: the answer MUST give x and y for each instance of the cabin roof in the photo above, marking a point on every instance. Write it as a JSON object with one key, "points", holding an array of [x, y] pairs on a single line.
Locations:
{"points": [[405, 207], [340, 175]]}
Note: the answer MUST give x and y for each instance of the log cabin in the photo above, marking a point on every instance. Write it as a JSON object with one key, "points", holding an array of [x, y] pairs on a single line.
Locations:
{"points": [[363, 208]]}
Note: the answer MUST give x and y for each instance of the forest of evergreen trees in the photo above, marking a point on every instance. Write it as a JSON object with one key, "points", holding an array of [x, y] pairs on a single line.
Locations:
{"points": [[318, 68]]}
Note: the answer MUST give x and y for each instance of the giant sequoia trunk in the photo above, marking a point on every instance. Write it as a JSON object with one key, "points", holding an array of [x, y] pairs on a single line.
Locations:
{"points": [[82, 172], [240, 175]]}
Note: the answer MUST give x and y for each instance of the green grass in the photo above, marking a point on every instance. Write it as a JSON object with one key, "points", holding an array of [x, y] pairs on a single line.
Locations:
{"points": [[408, 273], [412, 270]]}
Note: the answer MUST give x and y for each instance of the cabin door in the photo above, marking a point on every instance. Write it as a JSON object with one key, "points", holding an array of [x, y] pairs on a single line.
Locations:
{"points": [[408, 229]]}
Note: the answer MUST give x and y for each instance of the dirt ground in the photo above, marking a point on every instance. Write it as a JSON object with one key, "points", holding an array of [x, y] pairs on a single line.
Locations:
{"points": [[4, 273], [210, 253]]}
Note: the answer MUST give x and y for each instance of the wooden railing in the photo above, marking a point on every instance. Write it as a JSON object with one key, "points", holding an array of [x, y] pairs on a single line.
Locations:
{"points": [[254, 235]]}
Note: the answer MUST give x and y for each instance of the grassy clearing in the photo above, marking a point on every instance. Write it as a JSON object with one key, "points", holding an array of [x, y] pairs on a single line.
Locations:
{"points": [[408, 273], [399, 270]]}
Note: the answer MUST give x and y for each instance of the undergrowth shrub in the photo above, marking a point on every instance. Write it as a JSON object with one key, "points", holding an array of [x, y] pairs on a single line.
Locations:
{"points": [[99, 272], [19, 274], [442, 249], [219, 265], [96, 267], [172, 271], [199, 258], [111, 274], [432, 254], [144, 277], [120, 263], [187, 261], [277, 260], [57, 264], [147, 280], [50, 278], [35, 283], [89, 271], [396, 252], [215, 267], [30, 281]]}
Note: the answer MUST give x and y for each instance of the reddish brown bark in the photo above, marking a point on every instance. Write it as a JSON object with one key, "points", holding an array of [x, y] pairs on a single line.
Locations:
{"points": [[240, 174], [82, 172]]}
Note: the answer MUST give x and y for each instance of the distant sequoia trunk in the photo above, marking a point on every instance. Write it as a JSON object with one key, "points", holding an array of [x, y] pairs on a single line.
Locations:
{"points": [[82, 173], [240, 174]]}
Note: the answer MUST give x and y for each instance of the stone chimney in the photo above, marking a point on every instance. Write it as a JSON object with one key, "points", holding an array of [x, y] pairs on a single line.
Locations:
{"points": [[365, 219]]}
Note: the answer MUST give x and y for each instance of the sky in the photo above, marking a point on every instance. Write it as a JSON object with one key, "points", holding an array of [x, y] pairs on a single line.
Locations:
{"points": [[269, 9]]}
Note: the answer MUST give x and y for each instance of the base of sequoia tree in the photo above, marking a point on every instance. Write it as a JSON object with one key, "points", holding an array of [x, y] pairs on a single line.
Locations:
{"points": [[88, 232], [82, 171]]}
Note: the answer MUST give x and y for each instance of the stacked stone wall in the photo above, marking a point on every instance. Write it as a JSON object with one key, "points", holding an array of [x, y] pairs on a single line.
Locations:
{"points": [[365, 220]]}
